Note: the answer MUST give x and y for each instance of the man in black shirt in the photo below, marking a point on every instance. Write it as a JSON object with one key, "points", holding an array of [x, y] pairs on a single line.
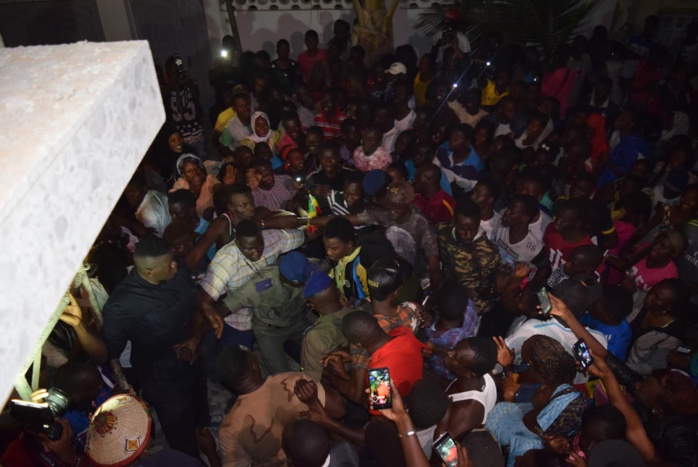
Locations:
{"points": [[155, 308], [331, 175]]}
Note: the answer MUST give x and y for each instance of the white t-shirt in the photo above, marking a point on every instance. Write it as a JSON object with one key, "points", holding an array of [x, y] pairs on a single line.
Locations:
{"points": [[502, 129], [656, 194], [524, 251], [491, 226], [389, 139], [538, 227], [406, 123], [551, 328]]}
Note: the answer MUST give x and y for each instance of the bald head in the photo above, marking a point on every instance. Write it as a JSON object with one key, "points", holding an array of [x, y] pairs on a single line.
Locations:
{"points": [[305, 443], [361, 328]]}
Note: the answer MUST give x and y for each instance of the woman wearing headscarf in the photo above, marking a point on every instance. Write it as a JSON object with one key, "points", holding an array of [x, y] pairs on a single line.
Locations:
{"points": [[263, 134], [193, 177], [555, 409], [170, 148]]}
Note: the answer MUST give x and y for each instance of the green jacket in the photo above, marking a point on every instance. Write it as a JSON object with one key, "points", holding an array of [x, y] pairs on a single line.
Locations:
{"points": [[272, 302], [320, 339]]}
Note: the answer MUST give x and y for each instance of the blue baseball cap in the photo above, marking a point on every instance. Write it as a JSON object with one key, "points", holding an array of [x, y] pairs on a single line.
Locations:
{"points": [[318, 282], [295, 267]]}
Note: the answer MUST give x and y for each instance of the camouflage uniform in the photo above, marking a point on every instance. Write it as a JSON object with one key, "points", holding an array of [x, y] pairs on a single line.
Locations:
{"points": [[475, 266]]}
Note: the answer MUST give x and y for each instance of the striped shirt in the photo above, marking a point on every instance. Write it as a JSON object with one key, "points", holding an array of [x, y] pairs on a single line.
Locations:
{"points": [[281, 193], [230, 270], [330, 128]]}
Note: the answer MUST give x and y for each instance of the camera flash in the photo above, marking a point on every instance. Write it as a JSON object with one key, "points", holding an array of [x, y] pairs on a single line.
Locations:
{"points": [[455, 85], [224, 53], [488, 63]]}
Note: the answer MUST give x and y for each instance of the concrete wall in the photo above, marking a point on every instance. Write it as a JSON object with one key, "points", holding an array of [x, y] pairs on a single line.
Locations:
{"points": [[261, 29]]}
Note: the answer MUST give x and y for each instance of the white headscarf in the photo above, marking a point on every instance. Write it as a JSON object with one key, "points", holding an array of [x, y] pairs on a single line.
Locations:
{"points": [[254, 137], [186, 157]]}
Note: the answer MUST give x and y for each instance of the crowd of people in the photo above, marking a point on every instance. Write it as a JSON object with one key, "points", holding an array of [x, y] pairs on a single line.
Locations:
{"points": [[504, 247]]}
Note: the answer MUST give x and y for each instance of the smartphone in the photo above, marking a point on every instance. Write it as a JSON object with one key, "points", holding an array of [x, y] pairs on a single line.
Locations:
{"points": [[447, 450], [684, 350], [581, 354], [379, 384], [544, 300]]}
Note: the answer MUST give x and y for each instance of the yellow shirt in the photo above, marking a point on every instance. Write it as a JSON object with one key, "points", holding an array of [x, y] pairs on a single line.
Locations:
{"points": [[223, 118], [490, 95], [342, 277], [420, 90]]}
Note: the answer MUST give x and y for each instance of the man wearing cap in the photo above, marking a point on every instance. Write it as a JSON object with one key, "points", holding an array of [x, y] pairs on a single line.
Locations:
{"points": [[275, 295], [578, 293], [404, 221], [449, 36], [396, 72], [234, 265], [326, 334]]}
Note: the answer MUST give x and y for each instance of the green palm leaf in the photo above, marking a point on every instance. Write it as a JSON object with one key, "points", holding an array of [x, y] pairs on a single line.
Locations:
{"points": [[545, 24]]}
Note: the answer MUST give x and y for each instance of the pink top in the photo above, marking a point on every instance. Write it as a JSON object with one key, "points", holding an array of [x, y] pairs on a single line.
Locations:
{"points": [[306, 63], [380, 159], [645, 278], [205, 199], [625, 231], [558, 84]]}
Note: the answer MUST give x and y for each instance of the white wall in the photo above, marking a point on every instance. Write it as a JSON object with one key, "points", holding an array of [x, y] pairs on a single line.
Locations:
{"points": [[261, 29]]}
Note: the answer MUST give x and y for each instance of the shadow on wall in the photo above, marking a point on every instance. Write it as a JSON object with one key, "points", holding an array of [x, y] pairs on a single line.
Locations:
{"points": [[261, 29]]}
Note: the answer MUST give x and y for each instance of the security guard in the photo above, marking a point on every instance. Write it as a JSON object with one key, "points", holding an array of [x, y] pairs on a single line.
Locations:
{"points": [[275, 295]]}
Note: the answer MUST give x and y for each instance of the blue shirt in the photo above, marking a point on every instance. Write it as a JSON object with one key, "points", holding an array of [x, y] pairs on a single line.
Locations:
{"points": [[412, 171], [468, 169], [618, 336], [201, 229]]}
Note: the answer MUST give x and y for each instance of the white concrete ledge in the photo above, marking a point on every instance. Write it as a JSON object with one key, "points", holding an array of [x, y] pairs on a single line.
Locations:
{"points": [[75, 121]]}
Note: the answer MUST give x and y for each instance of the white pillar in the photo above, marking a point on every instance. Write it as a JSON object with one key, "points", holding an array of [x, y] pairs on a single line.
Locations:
{"points": [[75, 122]]}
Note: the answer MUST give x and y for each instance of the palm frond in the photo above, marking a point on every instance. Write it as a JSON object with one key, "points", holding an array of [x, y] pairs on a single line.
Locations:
{"points": [[545, 24]]}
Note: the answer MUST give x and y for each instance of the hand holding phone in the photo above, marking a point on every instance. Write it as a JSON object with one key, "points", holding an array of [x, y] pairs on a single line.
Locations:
{"points": [[545, 304], [447, 450], [380, 392], [582, 355]]}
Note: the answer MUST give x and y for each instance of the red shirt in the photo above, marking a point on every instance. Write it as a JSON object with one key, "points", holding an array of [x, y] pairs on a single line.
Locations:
{"points": [[560, 249], [306, 63], [330, 128], [438, 209], [403, 356]]}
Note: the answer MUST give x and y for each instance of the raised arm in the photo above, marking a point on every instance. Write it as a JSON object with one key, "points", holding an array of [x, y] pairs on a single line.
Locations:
{"points": [[411, 448], [635, 431], [203, 244], [93, 345], [561, 311]]}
